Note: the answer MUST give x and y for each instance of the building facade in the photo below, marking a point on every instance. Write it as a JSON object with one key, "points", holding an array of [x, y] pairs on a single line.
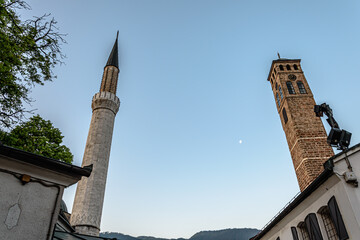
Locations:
{"points": [[31, 190], [328, 209]]}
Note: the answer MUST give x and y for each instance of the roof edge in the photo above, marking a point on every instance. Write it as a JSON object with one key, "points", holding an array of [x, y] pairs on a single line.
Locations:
{"points": [[45, 162], [340, 153], [280, 60], [328, 171]]}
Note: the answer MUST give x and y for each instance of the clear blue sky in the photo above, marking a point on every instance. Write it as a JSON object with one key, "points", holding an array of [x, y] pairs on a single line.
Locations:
{"points": [[192, 84]]}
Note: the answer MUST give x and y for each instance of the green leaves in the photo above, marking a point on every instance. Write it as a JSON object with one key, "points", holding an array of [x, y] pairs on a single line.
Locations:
{"points": [[38, 136], [28, 51]]}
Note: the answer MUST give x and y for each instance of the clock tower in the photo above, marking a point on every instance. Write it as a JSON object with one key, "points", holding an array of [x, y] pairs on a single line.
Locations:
{"points": [[305, 133]]}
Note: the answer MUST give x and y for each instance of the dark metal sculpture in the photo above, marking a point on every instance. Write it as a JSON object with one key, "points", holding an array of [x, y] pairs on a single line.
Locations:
{"points": [[337, 137]]}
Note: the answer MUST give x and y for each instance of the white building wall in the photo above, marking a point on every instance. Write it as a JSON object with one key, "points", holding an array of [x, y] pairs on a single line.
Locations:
{"points": [[26, 210], [347, 197], [29, 209], [352, 192]]}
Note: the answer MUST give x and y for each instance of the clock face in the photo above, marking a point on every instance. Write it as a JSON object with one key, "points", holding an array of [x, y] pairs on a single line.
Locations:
{"points": [[292, 77]]}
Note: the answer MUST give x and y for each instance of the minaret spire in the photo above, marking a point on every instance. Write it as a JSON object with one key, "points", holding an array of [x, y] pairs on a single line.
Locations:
{"points": [[113, 58], [111, 71], [89, 198]]}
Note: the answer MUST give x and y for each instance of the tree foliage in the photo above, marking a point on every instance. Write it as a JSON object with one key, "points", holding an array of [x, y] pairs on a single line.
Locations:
{"points": [[28, 51], [38, 136]]}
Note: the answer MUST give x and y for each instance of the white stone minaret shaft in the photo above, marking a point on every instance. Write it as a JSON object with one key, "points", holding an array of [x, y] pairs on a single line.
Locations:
{"points": [[89, 198]]}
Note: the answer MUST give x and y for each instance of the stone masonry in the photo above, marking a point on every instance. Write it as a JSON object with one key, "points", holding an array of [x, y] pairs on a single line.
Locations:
{"points": [[89, 198], [305, 133], [88, 203], [109, 81]]}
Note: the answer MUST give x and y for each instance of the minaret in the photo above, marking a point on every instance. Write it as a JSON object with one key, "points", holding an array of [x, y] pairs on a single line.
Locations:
{"points": [[89, 198], [305, 133]]}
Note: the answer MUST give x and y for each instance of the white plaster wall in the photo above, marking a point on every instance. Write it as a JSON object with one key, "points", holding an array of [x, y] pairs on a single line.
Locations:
{"points": [[351, 192], [347, 197], [25, 210]]}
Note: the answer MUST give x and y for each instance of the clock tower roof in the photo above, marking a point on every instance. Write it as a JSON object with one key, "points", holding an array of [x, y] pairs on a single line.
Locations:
{"points": [[280, 60]]}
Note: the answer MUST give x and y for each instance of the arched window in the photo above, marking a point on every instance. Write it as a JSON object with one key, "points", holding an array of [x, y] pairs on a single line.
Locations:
{"points": [[271, 81], [277, 99], [312, 226], [275, 70], [276, 85], [336, 218], [281, 94], [288, 67], [295, 67], [303, 231], [281, 67], [285, 116], [294, 233], [301, 87], [290, 87], [328, 223]]}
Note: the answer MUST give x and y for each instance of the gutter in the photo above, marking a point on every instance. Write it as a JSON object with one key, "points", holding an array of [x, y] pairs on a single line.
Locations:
{"points": [[45, 162]]}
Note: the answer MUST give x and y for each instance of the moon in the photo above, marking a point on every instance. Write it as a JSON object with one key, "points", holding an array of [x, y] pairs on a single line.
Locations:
{"points": [[240, 141]]}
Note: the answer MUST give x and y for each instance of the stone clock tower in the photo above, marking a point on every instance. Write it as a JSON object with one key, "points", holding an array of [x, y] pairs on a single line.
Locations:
{"points": [[89, 198], [304, 131]]}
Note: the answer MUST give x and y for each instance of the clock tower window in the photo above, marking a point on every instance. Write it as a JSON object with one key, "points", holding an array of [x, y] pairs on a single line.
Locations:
{"points": [[290, 87], [301, 87]]}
